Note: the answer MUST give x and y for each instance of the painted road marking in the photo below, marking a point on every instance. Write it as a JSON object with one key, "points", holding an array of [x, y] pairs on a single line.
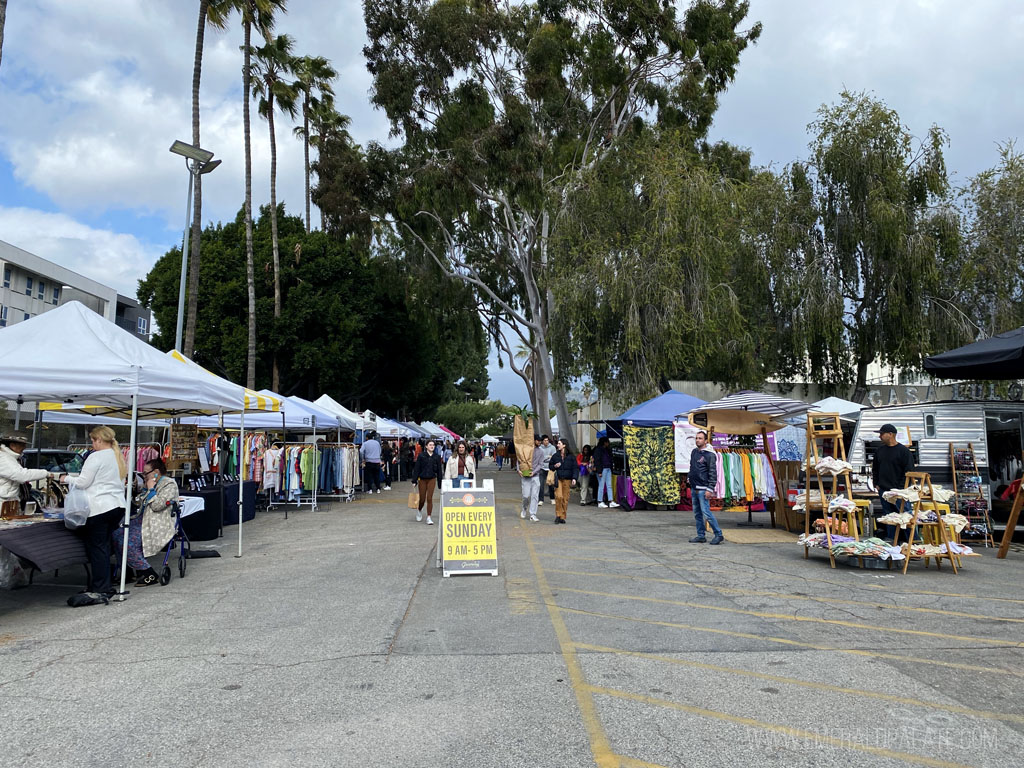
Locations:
{"points": [[954, 708], [796, 733], [793, 617], [796, 643]]}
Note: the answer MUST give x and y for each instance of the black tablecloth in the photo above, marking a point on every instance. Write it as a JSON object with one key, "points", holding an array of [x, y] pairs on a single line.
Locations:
{"points": [[231, 502], [205, 525], [48, 545]]}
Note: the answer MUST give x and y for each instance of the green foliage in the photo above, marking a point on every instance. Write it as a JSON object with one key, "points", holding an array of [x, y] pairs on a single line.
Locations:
{"points": [[363, 330], [463, 417]]}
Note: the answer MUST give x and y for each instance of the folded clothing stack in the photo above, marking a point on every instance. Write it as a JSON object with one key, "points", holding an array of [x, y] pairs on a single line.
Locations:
{"points": [[867, 548]]}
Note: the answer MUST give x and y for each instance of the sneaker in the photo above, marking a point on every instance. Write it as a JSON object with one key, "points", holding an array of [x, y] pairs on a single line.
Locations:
{"points": [[523, 514], [540, 503], [419, 516], [387, 487], [429, 521], [613, 504], [602, 505], [534, 519], [698, 540], [718, 540], [378, 490]]}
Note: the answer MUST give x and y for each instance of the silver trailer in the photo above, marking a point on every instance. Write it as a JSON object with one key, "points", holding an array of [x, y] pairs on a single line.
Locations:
{"points": [[993, 427]]}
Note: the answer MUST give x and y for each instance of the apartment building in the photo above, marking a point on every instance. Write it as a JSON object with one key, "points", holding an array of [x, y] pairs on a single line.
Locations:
{"points": [[32, 285]]}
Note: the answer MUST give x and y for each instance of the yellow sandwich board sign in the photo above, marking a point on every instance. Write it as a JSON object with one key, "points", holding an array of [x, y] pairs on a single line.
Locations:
{"points": [[467, 536]]}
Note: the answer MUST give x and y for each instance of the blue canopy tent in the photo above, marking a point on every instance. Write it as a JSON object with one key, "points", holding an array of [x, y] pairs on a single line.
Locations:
{"points": [[659, 411]]}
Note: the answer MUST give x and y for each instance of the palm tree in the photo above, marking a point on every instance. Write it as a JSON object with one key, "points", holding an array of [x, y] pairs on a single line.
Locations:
{"points": [[325, 124], [3, 18], [273, 63], [215, 13], [314, 76], [261, 14]]}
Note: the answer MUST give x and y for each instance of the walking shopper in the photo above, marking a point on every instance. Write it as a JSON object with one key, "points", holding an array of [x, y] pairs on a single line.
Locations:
{"points": [[387, 458], [461, 466], [531, 478], [549, 451], [425, 474], [499, 455], [102, 478], [702, 477], [603, 468], [889, 470], [567, 472], [585, 461], [370, 454]]}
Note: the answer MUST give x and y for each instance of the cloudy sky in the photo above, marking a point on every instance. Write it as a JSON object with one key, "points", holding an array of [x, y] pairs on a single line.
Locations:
{"points": [[93, 93]]}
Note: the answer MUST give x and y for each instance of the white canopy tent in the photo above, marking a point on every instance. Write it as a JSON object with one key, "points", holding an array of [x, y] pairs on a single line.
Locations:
{"points": [[105, 370], [434, 430], [489, 439], [348, 419], [386, 427]]}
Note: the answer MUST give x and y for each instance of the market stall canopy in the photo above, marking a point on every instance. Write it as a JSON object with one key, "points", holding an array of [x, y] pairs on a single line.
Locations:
{"points": [[488, 439], [101, 366], [837, 405], [347, 419], [659, 411], [747, 413], [997, 357], [433, 430], [297, 415], [254, 401], [386, 427], [417, 430], [448, 432]]}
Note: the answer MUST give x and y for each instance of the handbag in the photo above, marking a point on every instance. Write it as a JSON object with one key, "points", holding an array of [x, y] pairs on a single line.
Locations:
{"points": [[414, 500], [551, 477]]}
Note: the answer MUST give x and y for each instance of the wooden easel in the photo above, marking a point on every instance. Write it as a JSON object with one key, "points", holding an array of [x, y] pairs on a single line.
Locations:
{"points": [[824, 426], [1011, 523], [937, 532]]}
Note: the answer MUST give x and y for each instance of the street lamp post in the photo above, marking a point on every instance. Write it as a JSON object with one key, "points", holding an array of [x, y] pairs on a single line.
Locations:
{"points": [[198, 162]]}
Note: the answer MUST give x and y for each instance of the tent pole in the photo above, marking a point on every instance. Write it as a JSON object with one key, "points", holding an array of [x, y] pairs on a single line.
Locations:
{"points": [[129, 486], [241, 477], [316, 466], [35, 427]]}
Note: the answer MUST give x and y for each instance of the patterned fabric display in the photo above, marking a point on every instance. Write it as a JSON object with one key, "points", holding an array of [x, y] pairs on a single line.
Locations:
{"points": [[651, 455]]}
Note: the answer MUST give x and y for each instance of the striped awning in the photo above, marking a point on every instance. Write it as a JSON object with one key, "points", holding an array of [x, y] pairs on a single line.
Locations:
{"points": [[749, 400]]}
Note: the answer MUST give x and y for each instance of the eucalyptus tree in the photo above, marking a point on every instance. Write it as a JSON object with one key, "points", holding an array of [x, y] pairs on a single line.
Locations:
{"points": [[314, 76], [214, 13], [271, 68], [258, 13], [890, 229], [504, 107], [993, 267]]}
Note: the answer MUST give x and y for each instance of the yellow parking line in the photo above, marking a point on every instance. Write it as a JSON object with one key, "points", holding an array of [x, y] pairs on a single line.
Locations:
{"points": [[796, 643], [954, 708], [787, 596], [600, 747], [807, 619], [632, 762], [627, 562], [786, 730]]}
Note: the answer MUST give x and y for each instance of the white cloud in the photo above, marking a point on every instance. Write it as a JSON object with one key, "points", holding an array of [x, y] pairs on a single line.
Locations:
{"points": [[110, 258]]}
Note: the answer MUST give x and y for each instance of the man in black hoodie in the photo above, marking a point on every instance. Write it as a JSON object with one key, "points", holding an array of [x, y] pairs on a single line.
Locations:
{"points": [[703, 477]]}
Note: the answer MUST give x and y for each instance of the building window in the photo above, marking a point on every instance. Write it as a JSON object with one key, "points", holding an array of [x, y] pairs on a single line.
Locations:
{"points": [[27, 315], [7, 277], [41, 294], [56, 295], [143, 325], [28, 286], [3, 317]]}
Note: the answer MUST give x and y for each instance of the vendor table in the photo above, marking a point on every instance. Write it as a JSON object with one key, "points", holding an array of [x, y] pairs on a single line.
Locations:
{"points": [[46, 544], [204, 524], [231, 502]]}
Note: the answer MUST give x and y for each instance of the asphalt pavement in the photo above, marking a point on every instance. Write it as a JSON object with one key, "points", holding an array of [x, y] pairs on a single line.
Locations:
{"points": [[609, 641]]}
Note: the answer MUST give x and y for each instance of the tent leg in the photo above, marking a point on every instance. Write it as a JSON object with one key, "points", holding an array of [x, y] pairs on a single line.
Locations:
{"points": [[241, 477], [129, 485]]}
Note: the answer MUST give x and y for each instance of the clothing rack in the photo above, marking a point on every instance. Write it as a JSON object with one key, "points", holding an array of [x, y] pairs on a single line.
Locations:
{"points": [[769, 505], [343, 495], [299, 502]]}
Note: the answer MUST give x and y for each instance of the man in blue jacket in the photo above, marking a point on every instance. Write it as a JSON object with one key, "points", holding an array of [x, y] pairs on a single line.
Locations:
{"points": [[703, 476]]}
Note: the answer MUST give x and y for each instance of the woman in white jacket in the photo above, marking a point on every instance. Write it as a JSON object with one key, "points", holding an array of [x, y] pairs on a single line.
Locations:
{"points": [[461, 465], [102, 478]]}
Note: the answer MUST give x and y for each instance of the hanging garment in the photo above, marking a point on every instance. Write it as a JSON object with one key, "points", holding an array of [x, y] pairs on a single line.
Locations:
{"points": [[272, 469], [651, 455]]}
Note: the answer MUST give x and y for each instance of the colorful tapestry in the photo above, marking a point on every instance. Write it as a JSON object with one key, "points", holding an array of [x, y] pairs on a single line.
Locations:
{"points": [[650, 452]]}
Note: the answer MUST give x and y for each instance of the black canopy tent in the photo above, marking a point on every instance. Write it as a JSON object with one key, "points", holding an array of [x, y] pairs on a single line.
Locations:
{"points": [[997, 357]]}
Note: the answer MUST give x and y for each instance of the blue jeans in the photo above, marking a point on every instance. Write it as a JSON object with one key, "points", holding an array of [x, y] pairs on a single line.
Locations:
{"points": [[603, 483], [702, 512], [458, 481]]}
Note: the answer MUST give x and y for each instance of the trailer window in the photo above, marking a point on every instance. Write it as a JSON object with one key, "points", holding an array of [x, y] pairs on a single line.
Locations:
{"points": [[929, 425]]}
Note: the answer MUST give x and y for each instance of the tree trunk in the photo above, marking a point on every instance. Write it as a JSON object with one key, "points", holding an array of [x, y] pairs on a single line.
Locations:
{"points": [[276, 379], [860, 391], [250, 278], [197, 199], [3, 19], [305, 149]]}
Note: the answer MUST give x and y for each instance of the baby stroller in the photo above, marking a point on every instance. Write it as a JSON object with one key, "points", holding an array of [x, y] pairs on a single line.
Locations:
{"points": [[179, 539]]}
